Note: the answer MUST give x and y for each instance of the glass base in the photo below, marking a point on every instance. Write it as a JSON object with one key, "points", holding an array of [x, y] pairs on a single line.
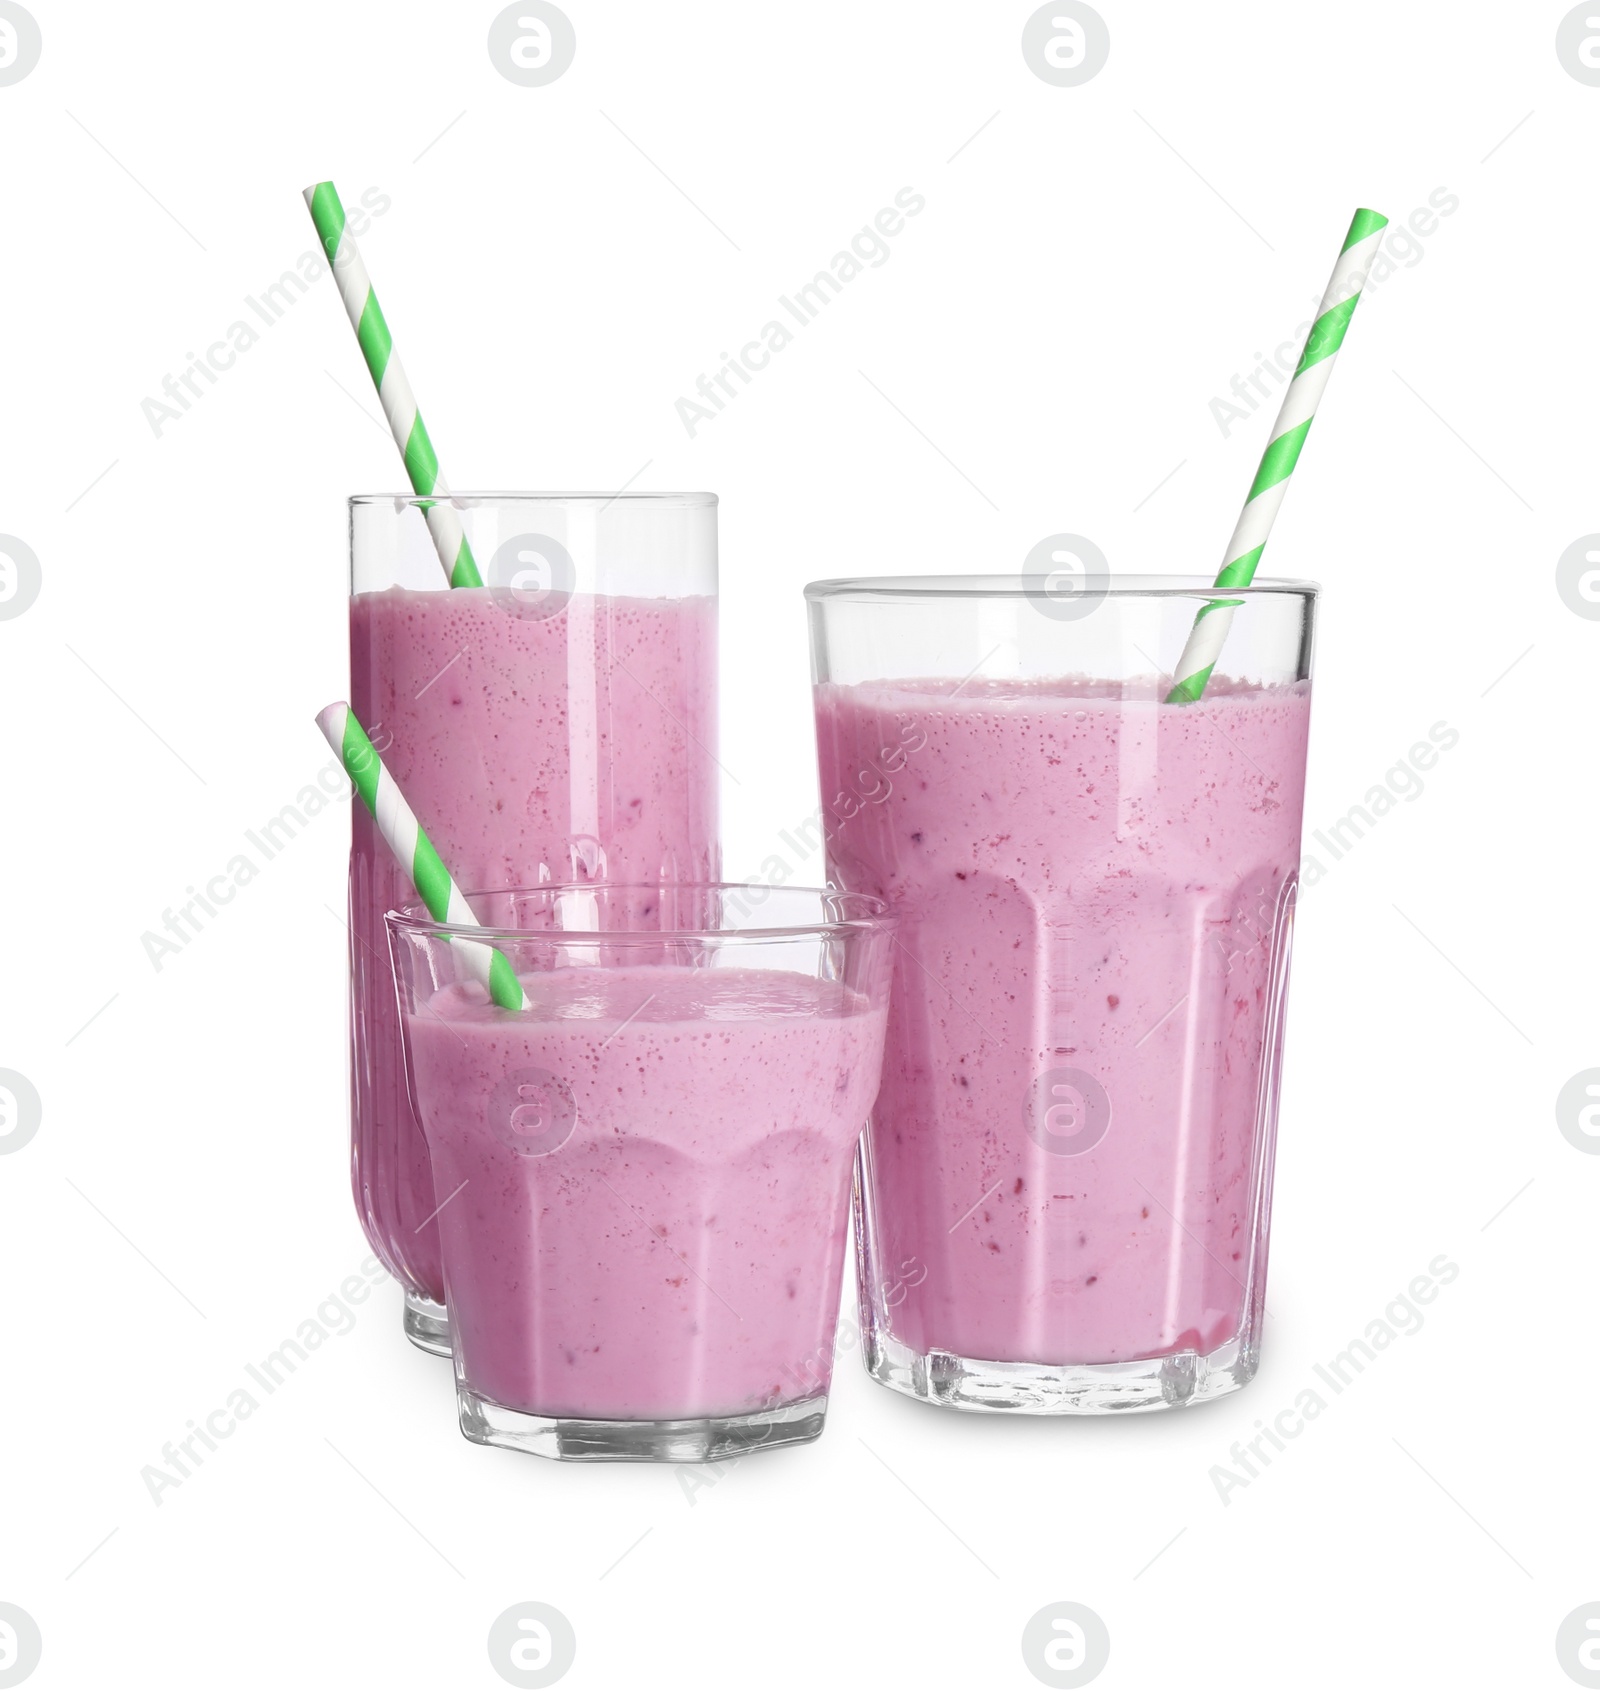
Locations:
{"points": [[1068, 1388], [569, 1439], [427, 1324]]}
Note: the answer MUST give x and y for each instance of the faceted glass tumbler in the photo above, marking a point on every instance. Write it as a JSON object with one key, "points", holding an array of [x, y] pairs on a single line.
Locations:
{"points": [[1065, 1187], [643, 1173]]}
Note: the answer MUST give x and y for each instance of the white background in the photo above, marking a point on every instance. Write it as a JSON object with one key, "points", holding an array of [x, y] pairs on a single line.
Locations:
{"points": [[1093, 266]]}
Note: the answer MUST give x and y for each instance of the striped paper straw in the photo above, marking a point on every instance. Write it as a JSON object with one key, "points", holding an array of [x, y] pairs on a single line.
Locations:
{"points": [[1311, 375], [394, 391], [403, 835]]}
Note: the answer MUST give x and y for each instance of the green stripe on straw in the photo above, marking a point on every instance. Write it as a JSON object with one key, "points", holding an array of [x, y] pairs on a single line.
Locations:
{"points": [[1278, 462], [1364, 223], [403, 834], [389, 378]]}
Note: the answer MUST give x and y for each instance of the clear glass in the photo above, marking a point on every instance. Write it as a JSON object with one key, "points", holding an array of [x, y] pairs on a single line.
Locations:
{"points": [[558, 723], [1064, 1191], [644, 1173]]}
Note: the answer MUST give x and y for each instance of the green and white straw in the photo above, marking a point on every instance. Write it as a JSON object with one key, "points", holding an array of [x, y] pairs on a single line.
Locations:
{"points": [[403, 835], [1300, 403], [394, 391]]}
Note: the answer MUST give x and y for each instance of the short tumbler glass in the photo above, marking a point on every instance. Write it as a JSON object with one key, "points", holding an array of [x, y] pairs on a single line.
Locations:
{"points": [[1066, 1180], [643, 1175]]}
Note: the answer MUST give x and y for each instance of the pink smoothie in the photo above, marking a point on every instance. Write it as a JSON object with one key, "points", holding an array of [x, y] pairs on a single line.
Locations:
{"points": [[567, 747], [1094, 894], [657, 1171]]}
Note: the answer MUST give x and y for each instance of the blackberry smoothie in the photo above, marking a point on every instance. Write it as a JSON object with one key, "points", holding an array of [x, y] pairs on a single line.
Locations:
{"points": [[645, 1177], [1073, 1135], [573, 745]]}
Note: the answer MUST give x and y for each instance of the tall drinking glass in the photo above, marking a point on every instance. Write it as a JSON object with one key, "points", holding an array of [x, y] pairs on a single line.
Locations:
{"points": [[1073, 1140], [556, 724]]}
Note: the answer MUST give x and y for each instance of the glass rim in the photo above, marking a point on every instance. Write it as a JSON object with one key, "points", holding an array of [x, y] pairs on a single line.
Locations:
{"points": [[875, 915], [466, 498], [1031, 585]]}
